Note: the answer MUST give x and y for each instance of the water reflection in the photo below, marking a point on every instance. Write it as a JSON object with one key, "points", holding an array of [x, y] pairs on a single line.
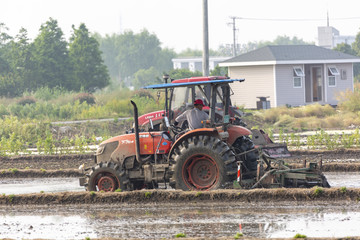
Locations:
{"points": [[280, 219]]}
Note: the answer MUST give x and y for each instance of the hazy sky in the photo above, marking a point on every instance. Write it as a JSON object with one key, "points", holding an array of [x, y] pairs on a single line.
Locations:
{"points": [[178, 23]]}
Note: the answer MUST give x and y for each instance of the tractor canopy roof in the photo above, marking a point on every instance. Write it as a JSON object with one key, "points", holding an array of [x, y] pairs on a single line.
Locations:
{"points": [[194, 81], [199, 79]]}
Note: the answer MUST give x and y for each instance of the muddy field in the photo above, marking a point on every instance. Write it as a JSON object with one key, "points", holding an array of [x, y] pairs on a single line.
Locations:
{"points": [[160, 214]]}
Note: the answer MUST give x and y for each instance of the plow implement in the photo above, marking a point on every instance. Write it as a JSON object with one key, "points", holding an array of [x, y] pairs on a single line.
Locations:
{"points": [[272, 171]]}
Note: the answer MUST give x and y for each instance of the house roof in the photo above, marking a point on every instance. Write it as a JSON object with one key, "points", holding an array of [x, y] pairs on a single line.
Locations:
{"points": [[290, 54]]}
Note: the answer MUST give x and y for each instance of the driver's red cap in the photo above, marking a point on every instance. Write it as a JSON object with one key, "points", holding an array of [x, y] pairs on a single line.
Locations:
{"points": [[199, 102]]}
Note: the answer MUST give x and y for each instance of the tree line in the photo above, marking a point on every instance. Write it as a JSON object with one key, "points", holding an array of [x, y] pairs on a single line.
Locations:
{"points": [[50, 60], [89, 61]]}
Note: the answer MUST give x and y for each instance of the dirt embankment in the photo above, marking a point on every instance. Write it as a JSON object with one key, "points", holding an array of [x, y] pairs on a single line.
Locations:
{"points": [[158, 196]]}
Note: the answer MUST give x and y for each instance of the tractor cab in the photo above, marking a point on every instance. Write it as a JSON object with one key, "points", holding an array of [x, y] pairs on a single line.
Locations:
{"points": [[213, 91], [180, 95]]}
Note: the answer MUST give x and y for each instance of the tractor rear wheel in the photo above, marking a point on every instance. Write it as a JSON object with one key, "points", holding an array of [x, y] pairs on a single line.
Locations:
{"points": [[202, 163], [107, 177]]}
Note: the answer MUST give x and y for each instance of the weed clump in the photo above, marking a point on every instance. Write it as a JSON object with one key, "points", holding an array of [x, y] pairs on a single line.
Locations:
{"points": [[318, 191], [13, 170], [180, 235], [343, 190], [238, 235], [147, 194], [298, 235]]}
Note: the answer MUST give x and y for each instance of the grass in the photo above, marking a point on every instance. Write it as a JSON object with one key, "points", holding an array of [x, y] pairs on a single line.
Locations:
{"points": [[118, 190]]}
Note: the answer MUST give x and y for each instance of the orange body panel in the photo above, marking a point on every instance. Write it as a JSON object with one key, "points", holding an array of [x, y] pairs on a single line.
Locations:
{"points": [[148, 144], [236, 131]]}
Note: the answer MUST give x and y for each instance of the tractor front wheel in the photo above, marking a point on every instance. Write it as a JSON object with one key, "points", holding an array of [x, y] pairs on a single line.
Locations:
{"points": [[107, 177]]}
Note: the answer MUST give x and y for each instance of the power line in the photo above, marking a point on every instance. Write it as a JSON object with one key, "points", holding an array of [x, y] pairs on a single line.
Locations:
{"points": [[294, 19]]}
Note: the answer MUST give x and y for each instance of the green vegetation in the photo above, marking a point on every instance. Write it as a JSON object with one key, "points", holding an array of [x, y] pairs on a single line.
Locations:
{"points": [[343, 189], [198, 194], [92, 193], [298, 235], [118, 190], [180, 235], [13, 170], [11, 198], [238, 235], [147, 194], [318, 191]]}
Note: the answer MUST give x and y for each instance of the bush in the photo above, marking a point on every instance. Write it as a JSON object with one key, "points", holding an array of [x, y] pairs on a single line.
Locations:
{"points": [[26, 100], [85, 97]]}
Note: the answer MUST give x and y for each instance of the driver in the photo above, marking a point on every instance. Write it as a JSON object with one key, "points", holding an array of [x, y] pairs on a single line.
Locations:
{"points": [[193, 116]]}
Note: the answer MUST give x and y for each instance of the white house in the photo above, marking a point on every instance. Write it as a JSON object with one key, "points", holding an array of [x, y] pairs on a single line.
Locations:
{"points": [[195, 63], [292, 75]]}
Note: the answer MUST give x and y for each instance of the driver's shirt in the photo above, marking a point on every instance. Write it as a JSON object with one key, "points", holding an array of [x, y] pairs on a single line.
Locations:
{"points": [[194, 117]]}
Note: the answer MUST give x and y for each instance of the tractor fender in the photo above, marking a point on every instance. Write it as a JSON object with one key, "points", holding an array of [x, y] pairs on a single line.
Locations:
{"points": [[195, 132], [235, 132]]}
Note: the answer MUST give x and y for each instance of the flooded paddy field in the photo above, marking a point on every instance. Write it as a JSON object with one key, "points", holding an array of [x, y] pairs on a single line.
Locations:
{"points": [[165, 220], [50, 204], [53, 185]]}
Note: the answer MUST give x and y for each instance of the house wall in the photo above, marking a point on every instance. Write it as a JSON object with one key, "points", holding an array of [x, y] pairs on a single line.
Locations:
{"points": [[342, 82], [259, 82], [286, 92]]}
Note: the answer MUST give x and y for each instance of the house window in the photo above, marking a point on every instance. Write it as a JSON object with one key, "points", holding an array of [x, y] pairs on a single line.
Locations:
{"points": [[297, 77], [332, 73]]}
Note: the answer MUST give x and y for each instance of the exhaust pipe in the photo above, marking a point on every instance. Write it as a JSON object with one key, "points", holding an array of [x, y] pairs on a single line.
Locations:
{"points": [[137, 138]]}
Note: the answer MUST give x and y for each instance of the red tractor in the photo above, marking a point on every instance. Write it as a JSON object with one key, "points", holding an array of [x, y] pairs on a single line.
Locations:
{"points": [[202, 159]]}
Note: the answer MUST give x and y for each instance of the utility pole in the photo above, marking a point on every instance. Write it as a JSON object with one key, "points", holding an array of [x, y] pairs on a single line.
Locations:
{"points": [[205, 58], [233, 23]]}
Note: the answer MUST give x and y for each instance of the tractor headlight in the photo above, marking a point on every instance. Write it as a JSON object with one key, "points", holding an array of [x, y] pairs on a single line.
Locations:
{"points": [[100, 150]]}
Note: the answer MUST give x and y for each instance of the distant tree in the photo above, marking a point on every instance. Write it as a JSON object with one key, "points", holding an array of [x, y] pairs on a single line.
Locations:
{"points": [[51, 57], [345, 48], [89, 71], [279, 40], [190, 53], [356, 44], [219, 71], [145, 77], [4, 40], [109, 46], [198, 53], [127, 53], [183, 73]]}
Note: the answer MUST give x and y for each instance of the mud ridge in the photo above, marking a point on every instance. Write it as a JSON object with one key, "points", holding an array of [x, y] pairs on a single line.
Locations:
{"points": [[334, 167], [32, 173], [158, 196], [36, 173]]}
